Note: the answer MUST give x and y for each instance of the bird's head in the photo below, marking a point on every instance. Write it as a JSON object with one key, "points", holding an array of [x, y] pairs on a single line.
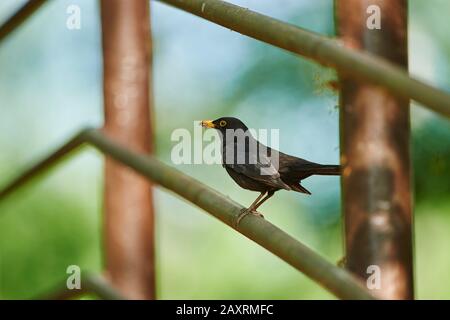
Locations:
{"points": [[224, 123]]}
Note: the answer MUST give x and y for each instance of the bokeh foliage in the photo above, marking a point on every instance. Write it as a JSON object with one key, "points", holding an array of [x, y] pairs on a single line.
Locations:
{"points": [[201, 71]]}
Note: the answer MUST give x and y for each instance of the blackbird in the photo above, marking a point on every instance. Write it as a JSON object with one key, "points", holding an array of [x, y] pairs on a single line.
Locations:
{"points": [[256, 167]]}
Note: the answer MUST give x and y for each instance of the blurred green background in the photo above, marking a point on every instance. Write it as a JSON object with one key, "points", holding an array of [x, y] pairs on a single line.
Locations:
{"points": [[50, 87]]}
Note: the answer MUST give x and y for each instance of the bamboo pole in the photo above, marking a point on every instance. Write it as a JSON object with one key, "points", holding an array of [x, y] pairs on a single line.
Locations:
{"points": [[18, 18], [336, 280], [375, 155], [128, 200], [321, 49], [329, 52], [90, 284]]}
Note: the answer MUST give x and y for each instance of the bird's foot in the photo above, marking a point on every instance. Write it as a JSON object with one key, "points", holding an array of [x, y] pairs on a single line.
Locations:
{"points": [[258, 214], [245, 212]]}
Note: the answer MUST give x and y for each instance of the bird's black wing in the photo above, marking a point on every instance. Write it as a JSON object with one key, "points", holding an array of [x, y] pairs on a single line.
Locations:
{"points": [[257, 166]]}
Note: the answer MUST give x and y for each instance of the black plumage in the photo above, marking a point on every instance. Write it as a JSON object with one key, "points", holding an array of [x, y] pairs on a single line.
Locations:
{"points": [[253, 166]]}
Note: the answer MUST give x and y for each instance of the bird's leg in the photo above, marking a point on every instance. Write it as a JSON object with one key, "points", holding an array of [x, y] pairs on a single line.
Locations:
{"points": [[248, 210], [267, 197], [255, 205]]}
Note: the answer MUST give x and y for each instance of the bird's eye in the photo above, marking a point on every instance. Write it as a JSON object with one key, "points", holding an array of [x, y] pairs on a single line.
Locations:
{"points": [[222, 123]]}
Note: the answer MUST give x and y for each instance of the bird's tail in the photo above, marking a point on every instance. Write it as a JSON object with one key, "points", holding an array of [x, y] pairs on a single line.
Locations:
{"points": [[327, 170], [303, 171]]}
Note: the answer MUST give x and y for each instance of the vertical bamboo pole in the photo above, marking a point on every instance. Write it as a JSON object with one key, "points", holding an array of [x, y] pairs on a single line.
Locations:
{"points": [[129, 219], [374, 129]]}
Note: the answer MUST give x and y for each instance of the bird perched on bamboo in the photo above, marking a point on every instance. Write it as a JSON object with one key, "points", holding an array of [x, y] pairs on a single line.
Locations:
{"points": [[256, 167]]}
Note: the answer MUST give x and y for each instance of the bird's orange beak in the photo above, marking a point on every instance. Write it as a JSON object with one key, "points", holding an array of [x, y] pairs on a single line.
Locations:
{"points": [[207, 124]]}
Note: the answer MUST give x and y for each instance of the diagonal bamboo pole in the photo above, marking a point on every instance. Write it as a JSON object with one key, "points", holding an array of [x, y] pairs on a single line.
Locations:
{"points": [[336, 280], [90, 284], [20, 17], [322, 49]]}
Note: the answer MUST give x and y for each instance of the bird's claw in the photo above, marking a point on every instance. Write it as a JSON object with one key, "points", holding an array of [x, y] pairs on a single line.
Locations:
{"points": [[245, 212], [256, 213]]}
